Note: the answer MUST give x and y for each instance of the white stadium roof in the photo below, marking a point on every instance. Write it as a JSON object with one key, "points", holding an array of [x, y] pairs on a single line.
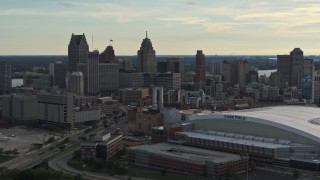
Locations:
{"points": [[301, 120]]}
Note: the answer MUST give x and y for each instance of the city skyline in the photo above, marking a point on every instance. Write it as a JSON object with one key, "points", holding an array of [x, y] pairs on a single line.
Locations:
{"points": [[178, 27]]}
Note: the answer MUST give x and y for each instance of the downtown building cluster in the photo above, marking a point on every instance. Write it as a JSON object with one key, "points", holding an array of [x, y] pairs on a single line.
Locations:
{"points": [[174, 104]]}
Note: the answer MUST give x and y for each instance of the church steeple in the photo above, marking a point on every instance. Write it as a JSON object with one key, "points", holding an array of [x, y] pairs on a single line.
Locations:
{"points": [[146, 34]]}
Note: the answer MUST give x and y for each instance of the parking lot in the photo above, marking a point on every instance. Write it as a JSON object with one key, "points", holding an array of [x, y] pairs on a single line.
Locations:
{"points": [[22, 138]]}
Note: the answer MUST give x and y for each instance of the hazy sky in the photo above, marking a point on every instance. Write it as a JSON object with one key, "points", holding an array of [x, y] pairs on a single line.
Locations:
{"points": [[44, 27]]}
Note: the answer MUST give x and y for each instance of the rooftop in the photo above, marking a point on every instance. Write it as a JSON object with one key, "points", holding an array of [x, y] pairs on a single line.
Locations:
{"points": [[185, 153], [303, 120], [235, 140]]}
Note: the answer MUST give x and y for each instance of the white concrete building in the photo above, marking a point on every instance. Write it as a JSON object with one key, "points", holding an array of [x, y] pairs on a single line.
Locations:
{"points": [[20, 109], [171, 117], [76, 83], [60, 109]]}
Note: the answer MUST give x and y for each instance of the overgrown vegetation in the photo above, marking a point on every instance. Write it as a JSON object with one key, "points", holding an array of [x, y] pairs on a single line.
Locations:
{"points": [[296, 174], [97, 165], [4, 158], [35, 174], [9, 152]]}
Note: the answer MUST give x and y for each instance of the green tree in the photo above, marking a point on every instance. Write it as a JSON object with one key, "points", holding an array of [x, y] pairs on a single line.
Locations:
{"points": [[78, 177], [236, 177], [77, 154], [83, 138], [122, 170], [15, 151], [231, 171], [50, 140], [296, 174], [109, 164], [7, 152], [252, 166], [99, 163], [62, 147], [163, 171]]}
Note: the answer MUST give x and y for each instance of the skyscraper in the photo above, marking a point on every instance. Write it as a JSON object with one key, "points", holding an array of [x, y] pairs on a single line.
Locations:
{"points": [[146, 57], [294, 67], [92, 74], [76, 83], [171, 64], [235, 72], [78, 50], [5, 77], [200, 68], [58, 72], [107, 55], [109, 78]]}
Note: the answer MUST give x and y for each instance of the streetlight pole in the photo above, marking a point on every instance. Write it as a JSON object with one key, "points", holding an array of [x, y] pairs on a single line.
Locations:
{"points": [[247, 166]]}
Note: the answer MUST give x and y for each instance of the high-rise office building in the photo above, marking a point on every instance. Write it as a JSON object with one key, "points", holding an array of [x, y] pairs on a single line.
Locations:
{"points": [[92, 83], [150, 79], [284, 68], [37, 80], [214, 67], [169, 81], [294, 68], [125, 64], [316, 88], [78, 50], [76, 83], [252, 76], [5, 77], [109, 78], [107, 55], [200, 68], [58, 72], [171, 64], [131, 80], [133, 96], [146, 61], [235, 72], [275, 80]]}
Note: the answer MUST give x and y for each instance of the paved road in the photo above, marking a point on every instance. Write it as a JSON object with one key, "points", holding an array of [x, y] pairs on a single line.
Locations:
{"points": [[30, 160], [26, 161], [60, 164]]}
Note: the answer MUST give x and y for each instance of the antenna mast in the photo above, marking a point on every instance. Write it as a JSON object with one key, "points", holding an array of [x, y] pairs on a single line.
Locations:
{"points": [[92, 42]]}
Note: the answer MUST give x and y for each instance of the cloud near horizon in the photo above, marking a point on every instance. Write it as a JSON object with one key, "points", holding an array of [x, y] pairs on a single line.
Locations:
{"points": [[238, 26]]}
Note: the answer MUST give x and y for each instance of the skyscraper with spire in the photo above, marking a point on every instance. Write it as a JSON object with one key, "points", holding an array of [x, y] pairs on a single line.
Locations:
{"points": [[146, 57], [78, 50]]}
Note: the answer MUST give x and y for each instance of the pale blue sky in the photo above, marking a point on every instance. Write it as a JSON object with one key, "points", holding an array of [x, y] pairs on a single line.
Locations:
{"points": [[44, 27]]}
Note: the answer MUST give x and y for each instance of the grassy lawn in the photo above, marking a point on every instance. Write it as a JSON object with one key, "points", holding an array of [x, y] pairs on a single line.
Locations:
{"points": [[133, 172], [4, 158], [77, 164], [74, 147]]}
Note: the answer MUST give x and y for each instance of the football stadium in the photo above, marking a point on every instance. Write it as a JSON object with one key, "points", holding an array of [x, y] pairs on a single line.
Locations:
{"points": [[280, 135]]}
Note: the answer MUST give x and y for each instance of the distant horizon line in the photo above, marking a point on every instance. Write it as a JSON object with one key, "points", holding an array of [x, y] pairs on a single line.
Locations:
{"points": [[168, 55]]}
